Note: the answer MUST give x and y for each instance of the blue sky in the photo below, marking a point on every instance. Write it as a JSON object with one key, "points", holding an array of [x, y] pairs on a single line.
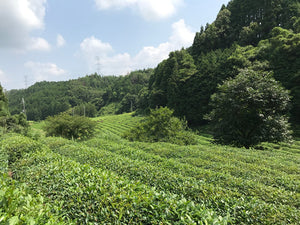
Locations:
{"points": [[56, 40]]}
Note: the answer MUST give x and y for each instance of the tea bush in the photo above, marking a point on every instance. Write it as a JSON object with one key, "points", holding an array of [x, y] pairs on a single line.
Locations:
{"points": [[16, 146], [18, 206]]}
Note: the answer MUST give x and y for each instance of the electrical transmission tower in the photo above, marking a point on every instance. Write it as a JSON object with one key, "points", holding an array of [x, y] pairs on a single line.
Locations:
{"points": [[98, 66], [26, 81]]}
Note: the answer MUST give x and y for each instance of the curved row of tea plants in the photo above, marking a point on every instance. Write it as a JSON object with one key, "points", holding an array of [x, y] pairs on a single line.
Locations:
{"points": [[117, 124], [276, 170], [94, 196], [249, 201], [277, 166]]}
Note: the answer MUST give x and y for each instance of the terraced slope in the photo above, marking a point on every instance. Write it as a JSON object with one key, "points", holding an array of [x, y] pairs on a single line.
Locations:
{"points": [[254, 186], [108, 179]]}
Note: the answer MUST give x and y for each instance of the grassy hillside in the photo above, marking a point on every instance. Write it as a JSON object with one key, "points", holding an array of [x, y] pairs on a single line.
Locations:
{"points": [[108, 179]]}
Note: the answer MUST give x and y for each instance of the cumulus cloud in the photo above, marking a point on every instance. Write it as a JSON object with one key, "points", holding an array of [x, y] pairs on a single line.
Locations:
{"points": [[92, 46], [98, 53], [148, 9], [45, 71], [38, 44], [60, 41], [18, 19], [182, 36]]}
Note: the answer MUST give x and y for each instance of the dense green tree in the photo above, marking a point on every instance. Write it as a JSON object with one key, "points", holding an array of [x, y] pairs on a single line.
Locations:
{"points": [[250, 109], [16, 123], [215, 35], [143, 101], [3, 103], [158, 85], [265, 14], [168, 84], [248, 34], [246, 22], [85, 109], [282, 51], [296, 24], [128, 103], [212, 69]]}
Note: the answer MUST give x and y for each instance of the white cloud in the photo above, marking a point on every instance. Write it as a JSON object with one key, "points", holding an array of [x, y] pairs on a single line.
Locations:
{"points": [[107, 4], [18, 18], [60, 41], [94, 46], [39, 44], [149, 9], [93, 49], [45, 71], [182, 34], [3, 77]]}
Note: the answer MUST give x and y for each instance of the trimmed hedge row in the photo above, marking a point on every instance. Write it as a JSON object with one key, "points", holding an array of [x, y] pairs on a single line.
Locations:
{"points": [[217, 190], [89, 195], [19, 206]]}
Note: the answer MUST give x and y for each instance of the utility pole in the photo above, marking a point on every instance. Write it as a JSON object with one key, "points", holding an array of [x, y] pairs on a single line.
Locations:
{"points": [[84, 110]]}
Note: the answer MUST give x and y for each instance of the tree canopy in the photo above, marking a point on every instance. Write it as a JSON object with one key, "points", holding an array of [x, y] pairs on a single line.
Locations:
{"points": [[250, 109], [91, 92]]}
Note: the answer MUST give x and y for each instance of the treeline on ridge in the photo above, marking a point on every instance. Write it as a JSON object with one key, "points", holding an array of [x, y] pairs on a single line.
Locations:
{"points": [[86, 95]]}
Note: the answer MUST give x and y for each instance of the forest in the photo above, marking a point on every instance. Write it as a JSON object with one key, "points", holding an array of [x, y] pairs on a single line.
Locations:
{"points": [[208, 136]]}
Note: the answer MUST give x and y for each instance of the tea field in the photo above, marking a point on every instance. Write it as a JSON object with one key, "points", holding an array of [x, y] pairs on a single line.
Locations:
{"points": [[109, 180]]}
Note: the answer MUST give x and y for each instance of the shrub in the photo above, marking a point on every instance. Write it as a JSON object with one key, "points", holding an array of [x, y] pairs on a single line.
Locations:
{"points": [[162, 126], [16, 124], [250, 109], [16, 146], [71, 127]]}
